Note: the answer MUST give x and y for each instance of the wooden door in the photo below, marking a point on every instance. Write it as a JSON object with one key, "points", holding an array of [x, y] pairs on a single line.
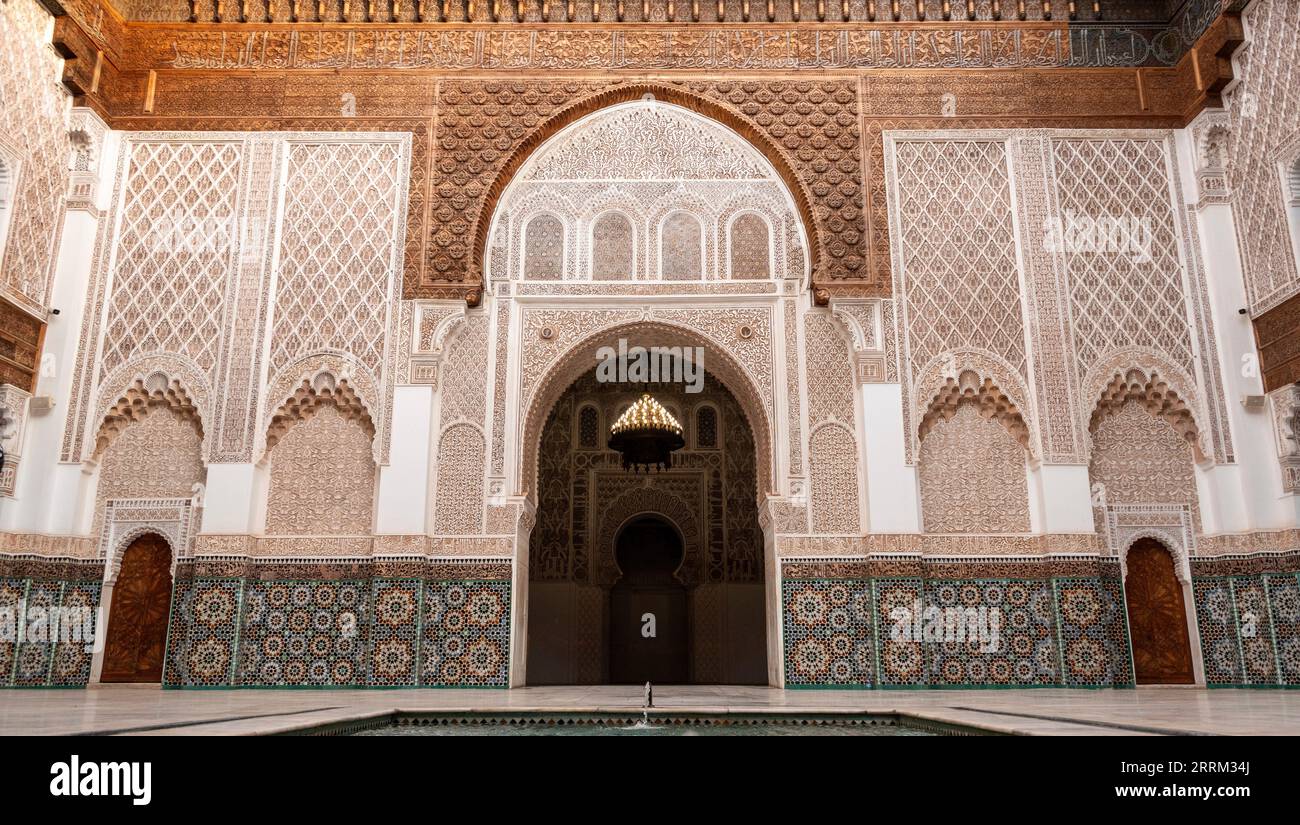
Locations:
{"points": [[1157, 617], [137, 619]]}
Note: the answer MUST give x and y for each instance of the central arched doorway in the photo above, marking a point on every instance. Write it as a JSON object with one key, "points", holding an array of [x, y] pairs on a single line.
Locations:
{"points": [[648, 616], [607, 542], [141, 604], [1157, 617]]}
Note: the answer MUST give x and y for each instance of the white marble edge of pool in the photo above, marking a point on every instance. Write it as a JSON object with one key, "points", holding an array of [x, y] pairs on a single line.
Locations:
{"points": [[150, 711], [310, 723]]}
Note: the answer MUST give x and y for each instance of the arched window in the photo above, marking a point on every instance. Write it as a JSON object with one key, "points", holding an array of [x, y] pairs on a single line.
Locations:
{"points": [[544, 248], [681, 248], [751, 246], [589, 428], [706, 428], [612, 248]]}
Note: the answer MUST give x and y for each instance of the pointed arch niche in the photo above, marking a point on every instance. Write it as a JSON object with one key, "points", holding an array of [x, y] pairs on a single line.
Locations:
{"points": [[1145, 447], [974, 445], [322, 468], [149, 444], [647, 190]]}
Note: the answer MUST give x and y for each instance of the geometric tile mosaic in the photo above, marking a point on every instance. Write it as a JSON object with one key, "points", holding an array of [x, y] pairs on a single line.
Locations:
{"points": [[1284, 601], [954, 633], [202, 633], [1025, 653], [358, 631], [828, 633], [1216, 618], [466, 634], [47, 654], [1250, 629], [1092, 632], [306, 633], [394, 632]]}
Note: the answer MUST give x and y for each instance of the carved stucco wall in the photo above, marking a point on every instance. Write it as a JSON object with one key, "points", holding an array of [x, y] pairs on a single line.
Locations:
{"points": [[834, 468], [157, 456], [458, 503], [646, 191], [322, 477], [184, 283], [1265, 108], [1139, 460], [461, 445], [997, 269], [33, 125], [972, 473]]}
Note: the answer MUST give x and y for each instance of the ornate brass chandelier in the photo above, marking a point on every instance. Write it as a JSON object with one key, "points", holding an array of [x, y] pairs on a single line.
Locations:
{"points": [[646, 434]]}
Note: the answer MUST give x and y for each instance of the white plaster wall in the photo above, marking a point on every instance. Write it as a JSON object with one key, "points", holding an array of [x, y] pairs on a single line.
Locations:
{"points": [[49, 496], [893, 492], [1245, 495], [404, 481]]}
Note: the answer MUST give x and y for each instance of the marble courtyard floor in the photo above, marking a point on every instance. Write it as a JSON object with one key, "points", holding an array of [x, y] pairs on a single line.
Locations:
{"points": [[1145, 711]]}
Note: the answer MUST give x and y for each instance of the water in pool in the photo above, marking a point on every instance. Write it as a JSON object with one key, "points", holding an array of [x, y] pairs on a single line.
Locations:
{"points": [[541, 728]]}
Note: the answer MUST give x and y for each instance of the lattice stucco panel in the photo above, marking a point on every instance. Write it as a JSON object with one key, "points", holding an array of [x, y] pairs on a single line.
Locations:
{"points": [[339, 250], [176, 248], [33, 121], [1265, 108], [955, 247], [1126, 289]]}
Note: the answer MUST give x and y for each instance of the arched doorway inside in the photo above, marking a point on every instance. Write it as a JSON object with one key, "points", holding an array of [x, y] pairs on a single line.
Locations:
{"points": [[136, 643], [1157, 617], [587, 575], [648, 618]]}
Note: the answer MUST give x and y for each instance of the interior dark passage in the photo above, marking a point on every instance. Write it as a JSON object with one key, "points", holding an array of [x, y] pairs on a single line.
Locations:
{"points": [[647, 607], [610, 546]]}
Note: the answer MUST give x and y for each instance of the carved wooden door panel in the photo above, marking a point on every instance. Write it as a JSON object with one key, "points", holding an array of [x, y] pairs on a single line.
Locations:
{"points": [[137, 624], [1157, 617]]}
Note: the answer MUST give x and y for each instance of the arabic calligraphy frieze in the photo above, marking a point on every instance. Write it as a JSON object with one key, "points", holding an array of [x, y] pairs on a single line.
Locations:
{"points": [[765, 48]]}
